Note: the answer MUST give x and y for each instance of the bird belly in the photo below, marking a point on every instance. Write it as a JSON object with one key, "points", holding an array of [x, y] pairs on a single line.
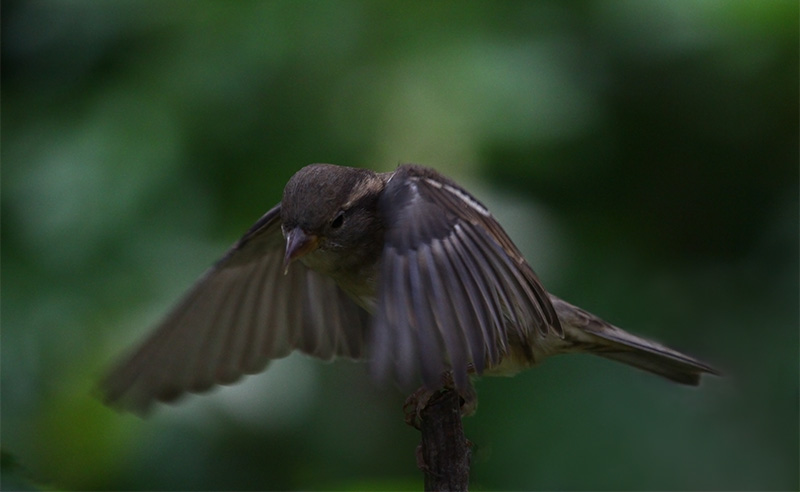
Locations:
{"points": [[522, 356], [360, 284]]}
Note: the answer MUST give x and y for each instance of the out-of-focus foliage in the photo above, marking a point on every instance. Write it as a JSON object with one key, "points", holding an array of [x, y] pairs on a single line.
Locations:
{"points": [[644, 155]]}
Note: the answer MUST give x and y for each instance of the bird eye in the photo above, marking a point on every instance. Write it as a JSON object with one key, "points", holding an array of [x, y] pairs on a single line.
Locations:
{"points": [[338, 220]]}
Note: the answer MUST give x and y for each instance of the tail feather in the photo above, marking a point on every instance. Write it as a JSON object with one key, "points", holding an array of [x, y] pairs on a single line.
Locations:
{"points": [[654, 358], [591, 334]]}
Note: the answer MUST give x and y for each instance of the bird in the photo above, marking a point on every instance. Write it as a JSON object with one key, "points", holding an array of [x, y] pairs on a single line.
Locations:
{"points": [[405, 269]]}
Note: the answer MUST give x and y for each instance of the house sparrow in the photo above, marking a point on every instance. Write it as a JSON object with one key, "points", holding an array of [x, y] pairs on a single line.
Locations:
{"points": [[405, 268]]}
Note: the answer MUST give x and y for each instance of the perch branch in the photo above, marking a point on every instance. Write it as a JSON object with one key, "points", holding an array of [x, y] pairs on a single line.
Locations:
{"points": [[444, 452]]}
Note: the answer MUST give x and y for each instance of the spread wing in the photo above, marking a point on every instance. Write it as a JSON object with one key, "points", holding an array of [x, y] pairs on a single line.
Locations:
{"points": [[240, 314], [453, 287]]}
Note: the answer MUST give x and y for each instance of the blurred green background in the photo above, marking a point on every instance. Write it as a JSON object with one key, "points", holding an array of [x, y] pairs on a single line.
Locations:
{"points": [[643, 154]]}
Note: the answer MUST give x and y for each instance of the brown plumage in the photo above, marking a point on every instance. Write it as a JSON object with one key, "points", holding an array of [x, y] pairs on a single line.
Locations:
{"points": [[405, 268]]}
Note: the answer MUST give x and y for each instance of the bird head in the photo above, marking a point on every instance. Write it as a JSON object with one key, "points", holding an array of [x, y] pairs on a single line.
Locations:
{"points": [[331, 209]]}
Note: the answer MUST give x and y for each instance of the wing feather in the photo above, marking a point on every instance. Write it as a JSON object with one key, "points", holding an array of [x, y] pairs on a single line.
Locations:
{"points": [[454, 340], [488, 300], [406, 338], [255, 358], [240, 314], [465, 303], [454, 288], [428, 336]]}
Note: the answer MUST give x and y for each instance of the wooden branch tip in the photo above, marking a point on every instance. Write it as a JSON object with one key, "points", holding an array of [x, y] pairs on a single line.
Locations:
{"points": [[444, 452]]}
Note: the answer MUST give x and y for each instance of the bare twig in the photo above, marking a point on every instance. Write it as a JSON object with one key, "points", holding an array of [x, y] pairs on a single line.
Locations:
{"points": [[444, 451]]}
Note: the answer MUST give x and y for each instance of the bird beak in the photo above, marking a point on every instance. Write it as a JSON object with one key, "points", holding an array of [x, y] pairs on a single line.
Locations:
{"points": [[298, 244]]}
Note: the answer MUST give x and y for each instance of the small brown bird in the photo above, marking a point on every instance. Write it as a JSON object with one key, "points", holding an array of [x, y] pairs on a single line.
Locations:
{"points": [[406, 268]]}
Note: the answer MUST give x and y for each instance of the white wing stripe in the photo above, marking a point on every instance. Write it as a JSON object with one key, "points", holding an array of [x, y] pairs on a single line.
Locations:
{"points": [[471, 202]]}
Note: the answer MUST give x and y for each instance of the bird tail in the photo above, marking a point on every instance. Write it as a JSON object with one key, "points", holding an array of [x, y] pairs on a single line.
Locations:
{"points": [[591, 334]]}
